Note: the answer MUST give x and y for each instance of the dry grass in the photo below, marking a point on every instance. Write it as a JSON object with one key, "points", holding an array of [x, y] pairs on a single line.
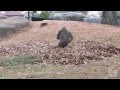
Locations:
{"points": [[39, 41]]}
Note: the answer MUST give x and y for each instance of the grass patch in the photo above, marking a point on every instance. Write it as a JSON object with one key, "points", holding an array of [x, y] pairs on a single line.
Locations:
{"points": [[20, 60]]}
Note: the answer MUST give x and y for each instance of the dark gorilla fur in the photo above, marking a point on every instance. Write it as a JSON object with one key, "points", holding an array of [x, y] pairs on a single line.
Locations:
{"points": [[44, 24], [65, 37]]}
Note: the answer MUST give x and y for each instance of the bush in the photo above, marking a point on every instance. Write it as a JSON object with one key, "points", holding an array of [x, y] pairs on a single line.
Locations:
{"points": [[44, 14]]}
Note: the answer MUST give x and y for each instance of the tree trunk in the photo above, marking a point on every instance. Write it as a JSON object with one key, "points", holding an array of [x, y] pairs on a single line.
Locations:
{"points": [[28, 15], [109, 17]]}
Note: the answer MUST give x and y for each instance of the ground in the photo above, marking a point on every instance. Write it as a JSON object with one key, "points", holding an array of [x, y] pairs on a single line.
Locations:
{"points": [[33, 52]]}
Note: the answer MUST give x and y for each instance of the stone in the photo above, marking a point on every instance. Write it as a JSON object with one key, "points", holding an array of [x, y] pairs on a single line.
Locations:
{"points": [[3, 17], [66, 15], [12, 25]]}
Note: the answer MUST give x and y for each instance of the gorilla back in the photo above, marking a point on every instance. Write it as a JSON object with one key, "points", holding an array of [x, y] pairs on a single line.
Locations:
{"points": [[65, 37]]}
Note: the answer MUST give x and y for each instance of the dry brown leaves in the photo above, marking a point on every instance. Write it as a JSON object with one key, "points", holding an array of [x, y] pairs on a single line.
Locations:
{"points": [[40, 41], [77, 52]]}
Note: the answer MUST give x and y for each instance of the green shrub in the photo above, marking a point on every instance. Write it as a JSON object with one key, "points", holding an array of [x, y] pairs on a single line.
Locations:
{"points": [[44, 14]]}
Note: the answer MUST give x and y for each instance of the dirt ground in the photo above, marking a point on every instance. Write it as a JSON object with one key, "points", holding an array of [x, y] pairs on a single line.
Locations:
{"points": [[41, 41]]}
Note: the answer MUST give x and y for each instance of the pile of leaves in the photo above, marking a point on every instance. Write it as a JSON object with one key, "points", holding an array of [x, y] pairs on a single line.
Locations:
{"points": [[77, 52]]}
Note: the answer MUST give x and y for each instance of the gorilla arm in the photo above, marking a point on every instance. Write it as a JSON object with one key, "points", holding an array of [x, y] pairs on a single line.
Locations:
{"points": [[71, 38], [58, 35]]}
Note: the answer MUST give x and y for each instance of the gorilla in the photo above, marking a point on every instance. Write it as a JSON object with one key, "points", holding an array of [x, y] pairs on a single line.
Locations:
{"points": [[65, 37], [44, 24]]}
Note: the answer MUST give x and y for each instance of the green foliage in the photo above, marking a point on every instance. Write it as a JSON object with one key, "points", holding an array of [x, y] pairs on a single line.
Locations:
{"points": [[44, 14], [20, 60]]}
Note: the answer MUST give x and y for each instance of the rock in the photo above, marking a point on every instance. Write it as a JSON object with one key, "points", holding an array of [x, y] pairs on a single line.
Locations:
{"points": [[3, 17], [17, 21], [93, 17], [62, 15], [118, 13], [92, 20], [12, 25], [94, 14], [5, 29]]}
